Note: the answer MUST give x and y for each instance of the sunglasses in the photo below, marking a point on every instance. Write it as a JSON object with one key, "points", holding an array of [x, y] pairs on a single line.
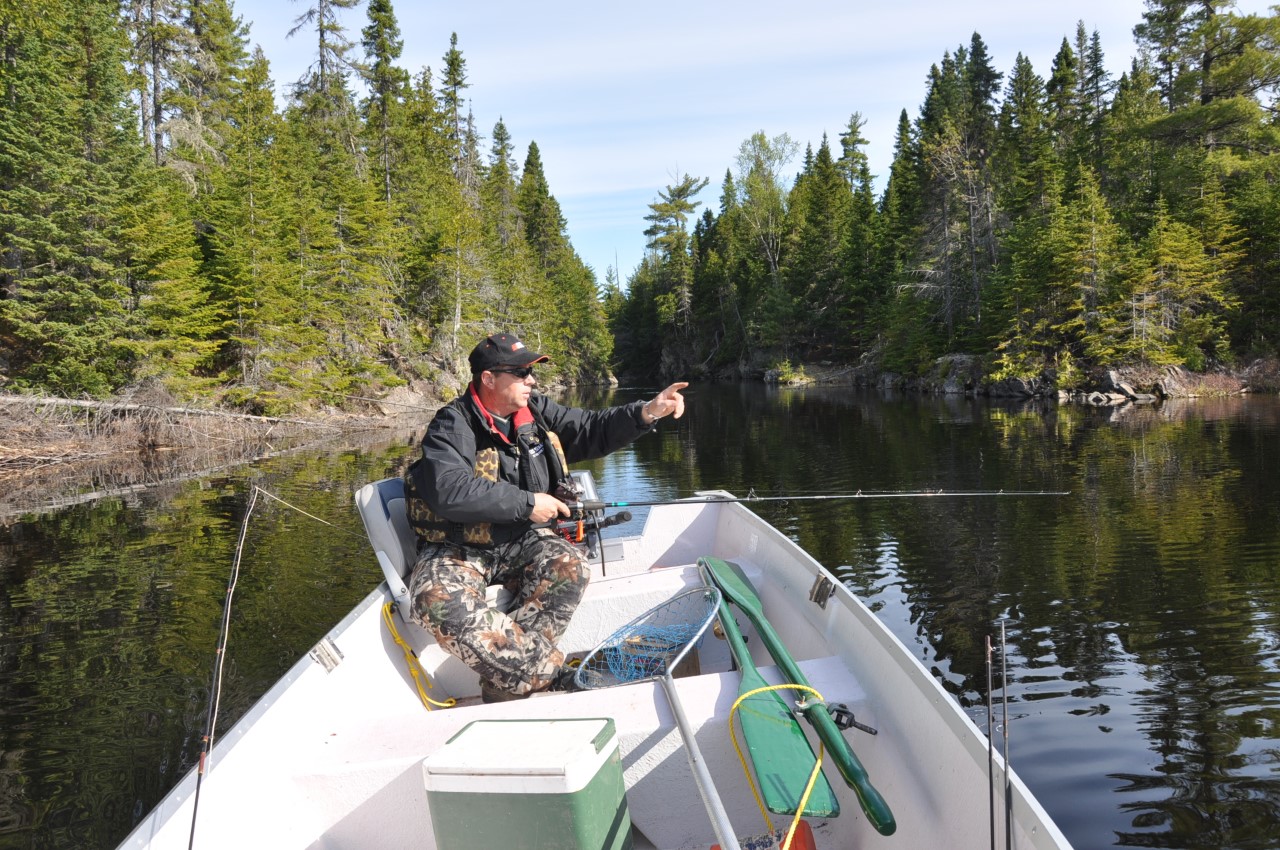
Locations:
{"points": [[520, 374]]}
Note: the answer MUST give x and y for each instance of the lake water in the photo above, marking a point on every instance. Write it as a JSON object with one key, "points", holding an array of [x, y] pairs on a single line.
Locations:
{"points": [[1142, 610]]}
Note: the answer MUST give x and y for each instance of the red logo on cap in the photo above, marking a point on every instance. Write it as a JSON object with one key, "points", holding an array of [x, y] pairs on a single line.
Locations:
{"points": [[516, 346]]}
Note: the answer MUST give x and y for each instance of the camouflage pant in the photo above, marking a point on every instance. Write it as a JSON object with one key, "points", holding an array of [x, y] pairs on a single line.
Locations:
{"points": [[513, 650]]}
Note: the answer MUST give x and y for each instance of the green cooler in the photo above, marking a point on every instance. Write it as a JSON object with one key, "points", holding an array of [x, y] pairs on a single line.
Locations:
{"points": [[529, 785]]}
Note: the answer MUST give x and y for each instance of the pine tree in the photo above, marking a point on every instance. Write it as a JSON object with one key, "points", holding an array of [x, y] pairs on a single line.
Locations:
{"points": [[245, 247], [67, 163], [387, 84], [668, 235], [1161, 34]]}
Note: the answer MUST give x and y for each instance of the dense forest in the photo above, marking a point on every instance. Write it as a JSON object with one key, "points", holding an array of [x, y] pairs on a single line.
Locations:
{"points": [[1048, 225], [165, 221]]}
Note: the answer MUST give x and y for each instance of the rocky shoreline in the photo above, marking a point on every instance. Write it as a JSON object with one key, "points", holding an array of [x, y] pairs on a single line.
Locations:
{"points": [[966, 375]]}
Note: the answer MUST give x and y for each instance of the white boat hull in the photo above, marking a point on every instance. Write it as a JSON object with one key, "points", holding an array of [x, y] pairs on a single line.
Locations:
{"points": [[331, 758]]}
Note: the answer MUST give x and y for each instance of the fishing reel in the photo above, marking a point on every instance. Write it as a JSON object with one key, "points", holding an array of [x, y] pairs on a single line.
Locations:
{"points": [[587, 518]]}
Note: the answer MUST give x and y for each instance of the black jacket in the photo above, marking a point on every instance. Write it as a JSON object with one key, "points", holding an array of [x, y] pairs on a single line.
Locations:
{"points": [[450, 486]]}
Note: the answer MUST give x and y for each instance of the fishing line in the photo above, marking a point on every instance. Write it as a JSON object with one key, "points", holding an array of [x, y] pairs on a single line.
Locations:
{"points": [[292, 507]]}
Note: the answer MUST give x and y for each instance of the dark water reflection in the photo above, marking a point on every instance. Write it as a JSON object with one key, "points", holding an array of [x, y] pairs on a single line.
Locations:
{"points": [[1142, 611]]}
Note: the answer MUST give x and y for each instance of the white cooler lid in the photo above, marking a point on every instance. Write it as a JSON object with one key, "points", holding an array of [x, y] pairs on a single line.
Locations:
{"points": [[522, 756]]}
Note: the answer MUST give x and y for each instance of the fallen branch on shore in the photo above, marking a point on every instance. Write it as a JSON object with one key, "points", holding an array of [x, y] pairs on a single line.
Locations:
{"points": [[45, 433], [127, 407]]}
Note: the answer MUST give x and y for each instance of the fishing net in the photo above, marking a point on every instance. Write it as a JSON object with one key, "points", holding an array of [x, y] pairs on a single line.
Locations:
{"points": [[652, 644]]}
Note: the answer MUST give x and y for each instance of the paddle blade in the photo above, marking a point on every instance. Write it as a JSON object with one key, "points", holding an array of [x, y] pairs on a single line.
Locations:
{"points": [[781, 754], [738, 590], [733, 583]]}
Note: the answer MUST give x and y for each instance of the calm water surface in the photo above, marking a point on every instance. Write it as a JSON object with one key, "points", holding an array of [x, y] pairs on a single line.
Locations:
{"points": [[1142, 611]]}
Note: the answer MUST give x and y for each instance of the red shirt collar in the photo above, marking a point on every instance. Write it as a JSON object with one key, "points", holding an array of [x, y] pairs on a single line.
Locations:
{"points": [[521, 417]]}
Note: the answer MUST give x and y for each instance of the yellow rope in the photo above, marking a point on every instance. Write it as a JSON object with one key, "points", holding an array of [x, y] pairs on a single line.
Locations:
{"points": [[813, 777], [415, 666]]}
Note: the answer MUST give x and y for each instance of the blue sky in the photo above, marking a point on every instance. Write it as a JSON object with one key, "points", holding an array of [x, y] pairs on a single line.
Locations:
{"points": [[623, 98]]}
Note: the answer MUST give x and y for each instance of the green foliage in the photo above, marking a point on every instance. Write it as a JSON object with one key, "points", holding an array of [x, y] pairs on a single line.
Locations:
{"points": [[1059, 225], [65, 169], [162, 219], [786, 373], [272, 259]]}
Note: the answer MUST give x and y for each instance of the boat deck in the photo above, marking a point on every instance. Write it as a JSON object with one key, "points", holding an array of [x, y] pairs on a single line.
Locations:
{"points": [[332, 756], [331, 763]]}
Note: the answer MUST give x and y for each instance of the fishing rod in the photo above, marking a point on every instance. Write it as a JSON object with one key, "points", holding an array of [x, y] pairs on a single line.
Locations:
{"points": [[590, 505], [220, 657]]}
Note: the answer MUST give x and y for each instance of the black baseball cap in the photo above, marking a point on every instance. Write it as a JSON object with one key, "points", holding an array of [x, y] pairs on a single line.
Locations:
{"points": [[499, 350]]}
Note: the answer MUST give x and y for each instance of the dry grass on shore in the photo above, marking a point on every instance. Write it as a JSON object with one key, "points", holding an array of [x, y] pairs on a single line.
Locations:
{"points": [[57, 452], [37, 433]]}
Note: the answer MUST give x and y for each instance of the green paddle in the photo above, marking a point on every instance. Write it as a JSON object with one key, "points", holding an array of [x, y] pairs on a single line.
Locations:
{"points": [[780, 752], [728, 577]]}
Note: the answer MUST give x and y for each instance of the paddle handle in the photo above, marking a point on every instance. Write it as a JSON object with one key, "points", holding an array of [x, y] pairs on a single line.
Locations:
{"points": [[855, 775]]}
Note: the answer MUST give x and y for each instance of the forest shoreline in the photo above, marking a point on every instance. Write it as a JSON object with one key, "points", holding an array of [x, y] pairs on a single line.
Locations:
{"points": [[56, 452]]}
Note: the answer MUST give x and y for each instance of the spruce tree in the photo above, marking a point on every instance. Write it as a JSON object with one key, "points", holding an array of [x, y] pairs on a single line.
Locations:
{"points": [[327, 75], [816, 266], [451, 86], [387, 85], [67, 162], [175, 325], [863, 254], [1092, 253], [246, 244]]}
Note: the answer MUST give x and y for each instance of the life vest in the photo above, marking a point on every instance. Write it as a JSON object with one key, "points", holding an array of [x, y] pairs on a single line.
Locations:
{"points": [[433, 528]]}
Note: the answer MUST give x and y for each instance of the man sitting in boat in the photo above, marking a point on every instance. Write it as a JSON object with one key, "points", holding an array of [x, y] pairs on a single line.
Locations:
{"points": [[484, 499]]}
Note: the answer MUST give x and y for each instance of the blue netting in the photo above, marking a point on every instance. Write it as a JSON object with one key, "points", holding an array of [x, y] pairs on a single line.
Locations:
{"points": [[652, 644]]}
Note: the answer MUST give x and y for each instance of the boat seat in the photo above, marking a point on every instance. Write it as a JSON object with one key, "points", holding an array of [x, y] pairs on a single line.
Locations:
{"points": [[386, 521]]}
